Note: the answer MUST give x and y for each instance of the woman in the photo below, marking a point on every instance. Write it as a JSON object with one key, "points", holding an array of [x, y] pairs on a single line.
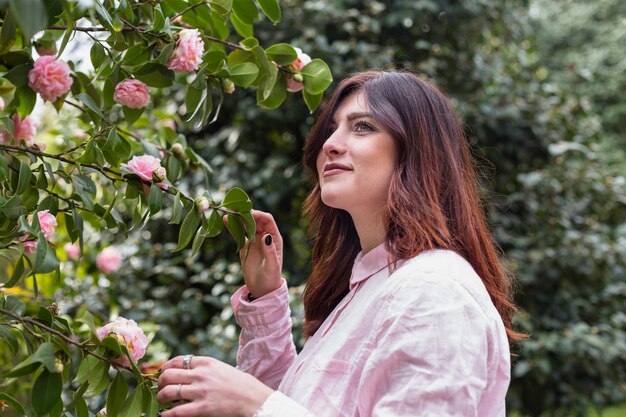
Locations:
{"points": [[407, 309]]}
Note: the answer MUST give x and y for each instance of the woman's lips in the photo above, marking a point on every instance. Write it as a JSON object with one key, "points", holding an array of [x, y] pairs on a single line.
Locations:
{"points": [[334, 169]]}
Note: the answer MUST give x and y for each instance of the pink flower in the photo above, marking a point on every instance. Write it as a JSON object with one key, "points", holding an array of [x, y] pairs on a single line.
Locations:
{"points": [[22, 130], [109, 260], [1, 104], [132, 93], [47, 223], [72, 250], [188, 53], [30, 246], [145, 166], [297, 65], [50, 77], [132, 336]]}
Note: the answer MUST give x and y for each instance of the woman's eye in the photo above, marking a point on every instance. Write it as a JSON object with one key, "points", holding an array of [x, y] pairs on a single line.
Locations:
{"points": [[363, 127]]}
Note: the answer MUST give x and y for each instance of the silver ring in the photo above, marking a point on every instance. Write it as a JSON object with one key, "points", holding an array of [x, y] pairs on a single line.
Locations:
{"points": [[179, 390], [187, 361]]}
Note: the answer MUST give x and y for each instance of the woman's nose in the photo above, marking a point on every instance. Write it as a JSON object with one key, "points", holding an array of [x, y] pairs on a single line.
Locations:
{"points": [[334, 144]]}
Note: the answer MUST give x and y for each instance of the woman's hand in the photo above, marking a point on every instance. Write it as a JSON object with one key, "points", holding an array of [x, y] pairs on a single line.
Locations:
{"points": [[209, 388], [264, 262]]}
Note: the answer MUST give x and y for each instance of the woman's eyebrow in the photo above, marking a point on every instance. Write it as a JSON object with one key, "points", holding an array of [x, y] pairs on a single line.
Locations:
{"points": [[359, 115]]}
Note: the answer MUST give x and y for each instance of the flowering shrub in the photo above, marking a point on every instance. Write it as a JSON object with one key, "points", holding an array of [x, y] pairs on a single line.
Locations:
{"points": [[22, 130], [50, 77], [188, 53], [130, 335], [109, 260], [72, 250], [147, 167], [132, 93], [300, 62], [107, 169]]}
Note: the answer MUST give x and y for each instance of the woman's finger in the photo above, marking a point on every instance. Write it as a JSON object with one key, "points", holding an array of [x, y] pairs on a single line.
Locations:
{"points": [[174, 376], [191, 409]]}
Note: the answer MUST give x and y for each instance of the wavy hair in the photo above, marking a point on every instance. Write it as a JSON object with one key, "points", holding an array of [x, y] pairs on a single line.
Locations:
{"points": [[432, 203]]}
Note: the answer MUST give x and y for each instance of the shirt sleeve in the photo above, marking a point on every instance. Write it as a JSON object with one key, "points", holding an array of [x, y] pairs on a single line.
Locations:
{"points": [[431, 354], [279, 405], [266, 348]]}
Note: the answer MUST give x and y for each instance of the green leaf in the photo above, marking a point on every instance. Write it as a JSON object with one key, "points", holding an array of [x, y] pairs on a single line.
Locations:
{"points": [[98, 378], [81, 407], [14, 305], [24, 177], [97, 55], [214, 224], [12, 208], [312, 100], [4, 169], [317, 77], [271, 9], [281, 53], [88, 101], [26, 99], [30, 16], [132, 115], [156, 199], [117, 395], [158, 22], [92, 154], [7, 32], [188, 228], [236, 230], [116, 148], [243, 29], [276, 96], [150, 404], [18, 75], [223, 7], [177, 210], [45, 258], [43, 356], [132, 407], [9, 338], [244, 74], [214, 60], [46, 392], [13, 403], [155, 75], [112, 346], [136, 55], [246, 11], [198, 240], [85, 368], [236, 199], [250, 225]]}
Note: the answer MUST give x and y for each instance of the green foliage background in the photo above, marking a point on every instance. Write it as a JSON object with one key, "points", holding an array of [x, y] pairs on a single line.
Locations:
{"points": [[549, 146]]}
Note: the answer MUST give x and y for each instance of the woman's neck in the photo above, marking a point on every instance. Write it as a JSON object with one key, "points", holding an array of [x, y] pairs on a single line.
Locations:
{"points": [[371, 228]]}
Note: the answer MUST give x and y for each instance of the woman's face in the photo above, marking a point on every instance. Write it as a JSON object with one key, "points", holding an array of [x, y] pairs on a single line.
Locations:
{"points": [[357, 161]]}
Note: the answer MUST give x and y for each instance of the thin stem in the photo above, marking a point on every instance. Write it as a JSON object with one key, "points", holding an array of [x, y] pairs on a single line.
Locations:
{"points": [[103, 170], [28, 320]]}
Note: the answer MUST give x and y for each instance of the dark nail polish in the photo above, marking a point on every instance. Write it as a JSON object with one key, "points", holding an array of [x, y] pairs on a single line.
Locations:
{"points": [[268, 240]]}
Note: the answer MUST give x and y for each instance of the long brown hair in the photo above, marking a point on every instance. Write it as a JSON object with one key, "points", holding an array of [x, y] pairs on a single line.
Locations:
{"points": [[433, 198]]}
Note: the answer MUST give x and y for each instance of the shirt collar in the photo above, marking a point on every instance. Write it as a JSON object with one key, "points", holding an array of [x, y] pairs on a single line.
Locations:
{"points": [[368, 264]]}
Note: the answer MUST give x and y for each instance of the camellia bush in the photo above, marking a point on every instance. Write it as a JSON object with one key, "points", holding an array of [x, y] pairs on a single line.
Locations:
{"points": [[145, 73]]}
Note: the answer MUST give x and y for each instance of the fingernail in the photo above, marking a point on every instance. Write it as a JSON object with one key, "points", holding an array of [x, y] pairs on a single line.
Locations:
{"points": [[268, 240]]}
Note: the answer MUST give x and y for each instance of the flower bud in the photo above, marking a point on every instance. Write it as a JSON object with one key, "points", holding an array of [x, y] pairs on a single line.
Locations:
{"points": [[46, 47], [202, 203], [159, 174], [177, 149], [58, 365], [102, 413], [228, 86]]}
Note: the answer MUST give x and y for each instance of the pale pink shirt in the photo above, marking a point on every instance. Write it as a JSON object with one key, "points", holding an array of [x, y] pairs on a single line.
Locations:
{"points": [[424, 341]]}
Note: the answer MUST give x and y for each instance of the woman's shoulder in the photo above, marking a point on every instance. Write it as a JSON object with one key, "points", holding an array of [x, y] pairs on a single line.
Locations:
{"points": [[438, 276]]}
